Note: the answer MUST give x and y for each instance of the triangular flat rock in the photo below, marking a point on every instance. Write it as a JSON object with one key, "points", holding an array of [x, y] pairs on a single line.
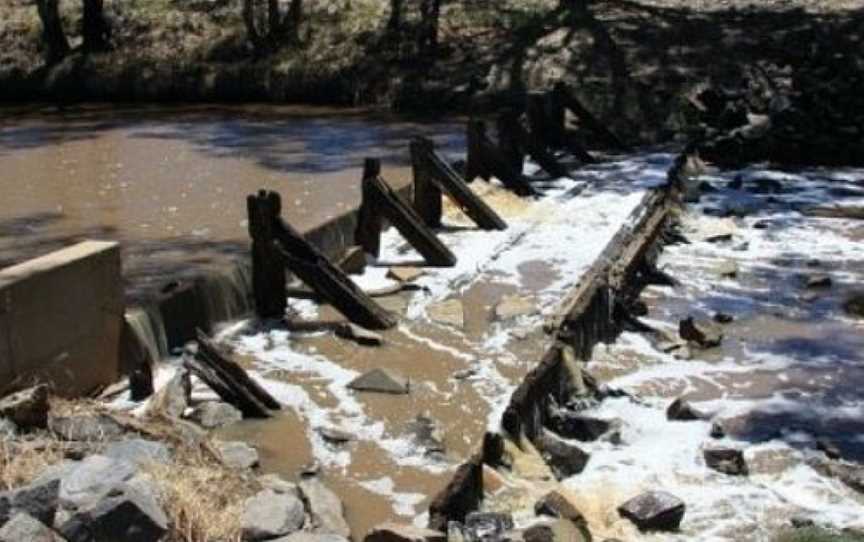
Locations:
{"points": [[381, 381], [405, 273]]}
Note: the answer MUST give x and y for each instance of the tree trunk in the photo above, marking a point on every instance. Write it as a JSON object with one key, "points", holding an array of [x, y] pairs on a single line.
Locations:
{"points": [[56, 45], [95, 28]]}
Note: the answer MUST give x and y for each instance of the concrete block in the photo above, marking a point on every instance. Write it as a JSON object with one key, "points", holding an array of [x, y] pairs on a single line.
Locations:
{"points": [[60, 319]]}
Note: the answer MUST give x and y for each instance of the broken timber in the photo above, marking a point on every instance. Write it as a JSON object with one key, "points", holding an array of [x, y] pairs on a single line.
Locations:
{"points": [[485, 160], [510, 129], [432, 176], [230, 381], [286, 247], [380, 201], [565, 96]]}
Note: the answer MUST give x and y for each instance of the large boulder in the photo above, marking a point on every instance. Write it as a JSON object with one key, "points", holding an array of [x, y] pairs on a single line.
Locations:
{"points": [[565, 459], [654, 511], [125, 513], [24, 528], [726, 460], [85, 481], [85, 427], [269, 515], [394, 532], [28, 409], [213, 414], [325, 508], [701, 333]]}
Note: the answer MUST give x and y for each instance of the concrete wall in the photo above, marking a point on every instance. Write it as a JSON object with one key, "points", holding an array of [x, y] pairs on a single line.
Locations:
{"points": [[60, 319]]}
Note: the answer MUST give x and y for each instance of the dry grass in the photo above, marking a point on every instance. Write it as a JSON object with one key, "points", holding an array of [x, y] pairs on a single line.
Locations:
{"points": [[22, 462]]}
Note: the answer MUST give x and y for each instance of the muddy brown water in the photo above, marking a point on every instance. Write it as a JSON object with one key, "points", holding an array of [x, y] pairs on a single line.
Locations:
{"points": [[170, 182]]}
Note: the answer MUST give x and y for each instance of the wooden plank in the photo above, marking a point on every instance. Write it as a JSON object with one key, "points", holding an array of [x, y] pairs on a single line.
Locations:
{"points": [[316, 271], [268, 273], [485, 160], [378, 196], [436, 170], [566, 97]]}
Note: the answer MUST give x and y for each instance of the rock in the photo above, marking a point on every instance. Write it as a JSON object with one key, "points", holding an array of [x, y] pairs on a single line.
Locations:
{"points": [[90, 479], [563, 458], [426, 433], [765, 186], [556, 505], [799, 522], [191, 433], [852, 475], [464, 374], [277, 484], [513, 306], [726, 460], [39, 500], [269, 515], [138, 451], [683, 354], [818, 282], [173, 399], [124, 514], [393, 532], [8, 429], [23, 528], [449, 312], [359, 335], [237, 455], [703, 334], [85, 427], [829, 448], [396, 304], [381, 381], [213, 414], [405, 273], [27, 409], [654, 511], [638, 308], [487, 525], [557, 531], [681, 411], [854, 305], [304, 536], [335, 435], [717, 430], [853, 212], [353, 262], [325, 508], [575, 426], [727, 269], [723, 318]]}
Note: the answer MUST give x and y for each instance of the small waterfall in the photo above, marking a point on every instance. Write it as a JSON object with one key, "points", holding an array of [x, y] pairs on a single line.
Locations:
{"points": [[149, 330], [226, 294]]}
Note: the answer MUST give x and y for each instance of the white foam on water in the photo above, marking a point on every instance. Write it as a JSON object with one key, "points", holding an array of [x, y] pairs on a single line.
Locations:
{"points": [[404, 504]]}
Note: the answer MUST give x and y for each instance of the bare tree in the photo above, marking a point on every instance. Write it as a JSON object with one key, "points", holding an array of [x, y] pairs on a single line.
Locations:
{"points": [[56, 44], [271, 30]]}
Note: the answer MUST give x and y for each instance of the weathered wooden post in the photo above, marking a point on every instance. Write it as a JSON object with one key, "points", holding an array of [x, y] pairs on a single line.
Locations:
{"points": [[427, 193], [268, 271], [508, 139], [367, 234], [485, 160]]}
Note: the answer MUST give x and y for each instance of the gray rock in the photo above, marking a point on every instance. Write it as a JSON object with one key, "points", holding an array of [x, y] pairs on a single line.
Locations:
{"points": [[557, 531], [277, 484], [514, 306], [28, 408], [575, 426], [138, 451], [449, 312], [854, 305], [564, 459], [173, 399], [360, 335], [237, 455], [556, 505], [39, 500], [726, 460], [394, 532], [727, 269], [325, 508], [723, 318], [487, 525], [304, 536], [24, 528], [86, 427], [702, 334], [213, 414], [681, 411], [717, 430], [92, 478], [654, 511], [427, 434], [335, 435], [269, 515], [829, 448], [8, 429], [381, 381], [125, 514], [852, 475]]}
